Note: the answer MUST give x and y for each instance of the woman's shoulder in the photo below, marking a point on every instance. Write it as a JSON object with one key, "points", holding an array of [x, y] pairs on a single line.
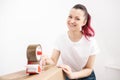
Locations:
{"points": [[90, 40], [93, 42]]}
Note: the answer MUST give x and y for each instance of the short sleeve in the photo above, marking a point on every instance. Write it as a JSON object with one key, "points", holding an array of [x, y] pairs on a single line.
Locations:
{"points": [[94, 49]]}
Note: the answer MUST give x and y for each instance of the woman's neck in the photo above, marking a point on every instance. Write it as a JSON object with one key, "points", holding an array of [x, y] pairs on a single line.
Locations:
{"points": [[75, 36]]}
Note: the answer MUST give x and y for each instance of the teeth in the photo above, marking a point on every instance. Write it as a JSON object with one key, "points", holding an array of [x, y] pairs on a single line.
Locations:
{"points": [[73, 26]]}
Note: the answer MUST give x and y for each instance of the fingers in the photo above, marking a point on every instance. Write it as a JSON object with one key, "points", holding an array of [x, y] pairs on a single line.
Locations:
{"points": [[59, 66], [47, 61], [43, 59], [65, 68]]}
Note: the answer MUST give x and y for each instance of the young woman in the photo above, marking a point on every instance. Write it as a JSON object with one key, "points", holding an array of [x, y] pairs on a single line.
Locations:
{"points": [[77, 47]]}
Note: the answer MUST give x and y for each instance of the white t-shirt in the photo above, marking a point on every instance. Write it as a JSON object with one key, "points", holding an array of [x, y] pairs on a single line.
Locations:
{"points": [[76, 54]]}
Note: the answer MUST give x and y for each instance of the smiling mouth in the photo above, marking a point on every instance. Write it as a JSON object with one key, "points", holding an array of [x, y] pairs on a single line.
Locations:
{"points": [[72, 25]]}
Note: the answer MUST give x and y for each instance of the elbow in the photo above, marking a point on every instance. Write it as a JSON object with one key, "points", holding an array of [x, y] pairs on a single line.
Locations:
{"points": [[90, 71]]}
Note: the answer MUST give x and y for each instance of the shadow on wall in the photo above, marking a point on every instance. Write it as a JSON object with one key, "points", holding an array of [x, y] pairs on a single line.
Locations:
{"points": [[106, 68], [112, 72]]}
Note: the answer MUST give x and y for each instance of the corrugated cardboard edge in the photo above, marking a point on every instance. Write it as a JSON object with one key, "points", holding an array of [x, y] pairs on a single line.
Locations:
{"points": [[52, 73]]}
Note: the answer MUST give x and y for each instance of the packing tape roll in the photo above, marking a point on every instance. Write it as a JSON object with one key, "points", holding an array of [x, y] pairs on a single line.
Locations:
{"points": [[33, 69], [34, 53]]}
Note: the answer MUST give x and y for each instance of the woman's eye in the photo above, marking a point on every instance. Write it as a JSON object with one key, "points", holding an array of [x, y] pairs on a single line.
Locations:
{"points": [[70, 16], [77, 19]]}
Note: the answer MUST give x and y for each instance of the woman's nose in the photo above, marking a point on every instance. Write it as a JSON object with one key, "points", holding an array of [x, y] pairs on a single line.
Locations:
{"points": [[72, 20]]}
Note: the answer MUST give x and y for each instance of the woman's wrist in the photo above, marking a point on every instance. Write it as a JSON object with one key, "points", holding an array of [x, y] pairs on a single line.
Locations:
{"points": [[49, 61], [73, 75]]}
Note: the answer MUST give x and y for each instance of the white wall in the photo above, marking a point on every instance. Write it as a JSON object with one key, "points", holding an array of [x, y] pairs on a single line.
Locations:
{"points": [[24, 22]]}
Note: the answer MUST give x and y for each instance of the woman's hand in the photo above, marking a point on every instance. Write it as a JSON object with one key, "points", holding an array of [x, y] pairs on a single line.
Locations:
{"points": [[46, 60], [68, 71]]}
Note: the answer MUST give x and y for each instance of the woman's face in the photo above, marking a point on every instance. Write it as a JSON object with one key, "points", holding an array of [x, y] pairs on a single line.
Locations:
{"points": [[76, 20]]}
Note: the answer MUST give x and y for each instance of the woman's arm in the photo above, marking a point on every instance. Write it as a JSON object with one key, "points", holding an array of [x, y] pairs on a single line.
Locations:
{"points": [[86, 71], [53, 60], [55, 56]]}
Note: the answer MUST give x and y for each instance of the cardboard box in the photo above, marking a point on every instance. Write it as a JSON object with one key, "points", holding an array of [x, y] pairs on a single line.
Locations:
{"points": [[49, 73]]}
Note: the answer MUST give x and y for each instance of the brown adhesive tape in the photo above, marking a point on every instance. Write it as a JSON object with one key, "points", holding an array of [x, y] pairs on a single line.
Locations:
{"points": [[34, 53], [29, 62]]}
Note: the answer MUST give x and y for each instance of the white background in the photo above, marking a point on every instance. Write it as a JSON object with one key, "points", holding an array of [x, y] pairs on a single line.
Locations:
{"points": [[24, 22]]}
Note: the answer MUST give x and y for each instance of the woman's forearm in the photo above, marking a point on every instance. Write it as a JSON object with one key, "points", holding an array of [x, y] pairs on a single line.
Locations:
{"points": [[80, 74], [49, 61]]}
